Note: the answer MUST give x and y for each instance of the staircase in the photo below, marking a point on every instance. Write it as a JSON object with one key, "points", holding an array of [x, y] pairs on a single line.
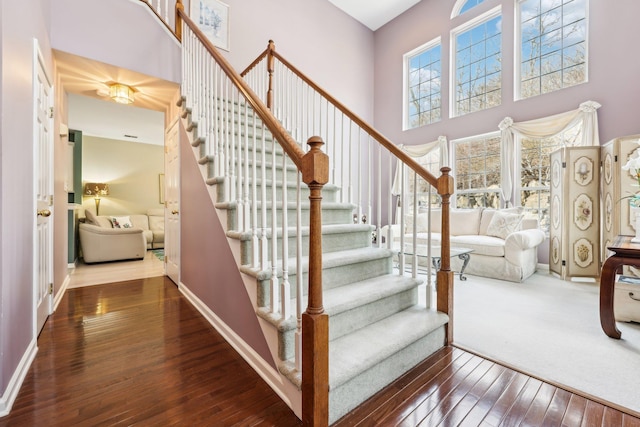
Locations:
{"points": [[377, 329], [311, 245]]}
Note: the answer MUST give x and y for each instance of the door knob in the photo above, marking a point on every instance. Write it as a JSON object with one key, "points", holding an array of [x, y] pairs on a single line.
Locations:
{"points": [[174, 212], [44, 213]]}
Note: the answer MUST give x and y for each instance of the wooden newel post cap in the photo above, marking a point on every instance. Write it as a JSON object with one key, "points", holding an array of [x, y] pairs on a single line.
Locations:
{"points": [[315, 163], [445, 182]]}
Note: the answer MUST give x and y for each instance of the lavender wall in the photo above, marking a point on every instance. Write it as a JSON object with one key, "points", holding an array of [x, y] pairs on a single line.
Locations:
{"points": [[327, 45], [207, 266], [123, 33], [19, 25], [613, 72]]}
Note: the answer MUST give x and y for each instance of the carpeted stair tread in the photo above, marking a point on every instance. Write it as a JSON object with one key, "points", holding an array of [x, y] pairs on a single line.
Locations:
{"points": [[355, 353], [329, 260], [352, 354], [304, 231], [353, 295], [348, 297]]}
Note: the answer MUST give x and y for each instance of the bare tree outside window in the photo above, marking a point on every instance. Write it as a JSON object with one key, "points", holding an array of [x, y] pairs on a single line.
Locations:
{"points": [[553, 45], [477, 172], [478, 67], [424, 86], [535, 173]]}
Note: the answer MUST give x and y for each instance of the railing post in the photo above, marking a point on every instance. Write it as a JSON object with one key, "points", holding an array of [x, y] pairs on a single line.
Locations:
{"points": [[315, 322], [179, 7], [270, 69], [444, 276]]}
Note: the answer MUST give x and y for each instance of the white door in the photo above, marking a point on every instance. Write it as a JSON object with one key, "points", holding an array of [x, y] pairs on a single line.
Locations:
{"points": [[43, 189], [172, 204]]}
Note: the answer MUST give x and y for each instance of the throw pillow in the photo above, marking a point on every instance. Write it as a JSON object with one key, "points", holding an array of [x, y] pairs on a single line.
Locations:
{"points": [[90, 217], [502, 224], [121, 222]]}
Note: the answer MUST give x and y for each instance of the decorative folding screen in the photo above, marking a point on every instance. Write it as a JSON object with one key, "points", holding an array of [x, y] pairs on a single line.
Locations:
{"points": [[574, 232], [617, 185]]}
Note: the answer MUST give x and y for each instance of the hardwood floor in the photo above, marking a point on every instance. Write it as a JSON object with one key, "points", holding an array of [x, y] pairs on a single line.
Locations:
{"points": [[137, 353]]}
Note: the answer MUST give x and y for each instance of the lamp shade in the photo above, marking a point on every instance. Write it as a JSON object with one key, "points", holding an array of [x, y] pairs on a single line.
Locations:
{"points": [[96, 189], [121, 93]]}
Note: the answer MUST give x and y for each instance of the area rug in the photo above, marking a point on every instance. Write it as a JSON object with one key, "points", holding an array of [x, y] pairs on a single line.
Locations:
{"points": [[550, 328], [159, 253]]}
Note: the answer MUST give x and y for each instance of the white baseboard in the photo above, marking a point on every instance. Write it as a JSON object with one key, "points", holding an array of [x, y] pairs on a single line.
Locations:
{"points": [[10, 394], [267, 372], [60, 293]]}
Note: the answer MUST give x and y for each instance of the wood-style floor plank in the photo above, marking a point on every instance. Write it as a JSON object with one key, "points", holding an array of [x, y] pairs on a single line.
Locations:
{"points": [[137, 353]]}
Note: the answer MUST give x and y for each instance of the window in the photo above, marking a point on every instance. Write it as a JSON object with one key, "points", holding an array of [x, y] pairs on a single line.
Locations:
{"points": [[553, 53], [477, 172], [423, 76], [477, 76], [431, 162], [462, 6], [535, 172]]}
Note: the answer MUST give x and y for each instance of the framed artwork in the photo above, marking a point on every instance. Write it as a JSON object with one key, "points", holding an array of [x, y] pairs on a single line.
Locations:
{"points": [[212, 18], [161, 186]]}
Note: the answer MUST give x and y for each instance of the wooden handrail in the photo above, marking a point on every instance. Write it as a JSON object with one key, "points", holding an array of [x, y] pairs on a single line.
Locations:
{"points": [[384, 141], [289, 145], [179, 10]]}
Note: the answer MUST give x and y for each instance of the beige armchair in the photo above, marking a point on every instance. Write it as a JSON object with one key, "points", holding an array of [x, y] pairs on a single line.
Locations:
{"points": [[101, 244]]}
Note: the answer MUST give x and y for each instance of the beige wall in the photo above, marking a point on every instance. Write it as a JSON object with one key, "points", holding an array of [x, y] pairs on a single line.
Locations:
{"points": [[131, 169]]}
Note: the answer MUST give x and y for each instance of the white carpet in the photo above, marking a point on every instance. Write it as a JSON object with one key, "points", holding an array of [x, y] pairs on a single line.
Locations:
{"points": [[549, 328]]}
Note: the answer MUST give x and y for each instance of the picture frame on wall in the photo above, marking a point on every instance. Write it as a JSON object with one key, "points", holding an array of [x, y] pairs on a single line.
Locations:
{"points": [[161, 187], [212, 18]]}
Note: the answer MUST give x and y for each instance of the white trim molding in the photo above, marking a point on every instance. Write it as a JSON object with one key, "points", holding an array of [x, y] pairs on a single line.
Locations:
{"points": [[282, 386], [11, 393]]}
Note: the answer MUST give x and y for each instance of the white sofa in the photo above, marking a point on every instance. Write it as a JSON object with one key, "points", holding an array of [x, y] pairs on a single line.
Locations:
{"points": [[103, 238], [504, 247]]}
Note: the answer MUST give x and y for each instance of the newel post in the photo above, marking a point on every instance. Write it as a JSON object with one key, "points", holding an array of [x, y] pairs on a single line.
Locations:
{"points": [[315, 322], [444, 278], [270, 68], [179, 7]]}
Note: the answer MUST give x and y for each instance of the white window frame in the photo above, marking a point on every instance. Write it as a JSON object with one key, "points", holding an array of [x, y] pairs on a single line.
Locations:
{"points": [[454, 163], [517, 50], [457, 8], [518, 175], [405, 83], [490, 14]]}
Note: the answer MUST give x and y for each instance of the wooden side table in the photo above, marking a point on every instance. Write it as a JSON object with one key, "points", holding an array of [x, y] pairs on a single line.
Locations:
{"points": [[625, 253]]}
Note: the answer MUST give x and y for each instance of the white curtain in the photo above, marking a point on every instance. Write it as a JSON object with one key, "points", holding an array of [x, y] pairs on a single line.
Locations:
{"points": [[420, 151], [545, 127]]}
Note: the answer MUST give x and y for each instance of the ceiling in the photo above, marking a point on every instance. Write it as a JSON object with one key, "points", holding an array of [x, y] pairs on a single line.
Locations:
{"points": [[96, 115], [374, 13]]}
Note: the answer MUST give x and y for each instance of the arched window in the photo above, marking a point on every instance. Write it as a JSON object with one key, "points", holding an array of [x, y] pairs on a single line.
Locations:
{"points": [[462, 6]]}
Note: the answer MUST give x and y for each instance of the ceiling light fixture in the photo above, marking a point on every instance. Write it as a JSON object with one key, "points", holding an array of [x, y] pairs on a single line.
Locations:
{"points": [[120, 93]]}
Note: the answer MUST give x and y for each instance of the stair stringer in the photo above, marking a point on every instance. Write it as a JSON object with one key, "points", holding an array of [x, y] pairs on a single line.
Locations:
{"points": [[286, 390]]}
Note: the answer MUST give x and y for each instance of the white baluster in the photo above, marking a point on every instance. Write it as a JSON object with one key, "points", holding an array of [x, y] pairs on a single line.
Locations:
{"points": [[264, 246], [414, 231], [285, 287], [275, 297], [430, 280], [255, 243], [247, 202], [299, 274]]}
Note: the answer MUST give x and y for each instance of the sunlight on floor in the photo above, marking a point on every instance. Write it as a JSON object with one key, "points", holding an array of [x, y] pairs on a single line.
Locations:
{"points": [[107, 272]]}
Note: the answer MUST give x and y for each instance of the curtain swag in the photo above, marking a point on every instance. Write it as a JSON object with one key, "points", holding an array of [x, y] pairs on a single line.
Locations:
{"points": [[585, 115], [420, 151]]}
